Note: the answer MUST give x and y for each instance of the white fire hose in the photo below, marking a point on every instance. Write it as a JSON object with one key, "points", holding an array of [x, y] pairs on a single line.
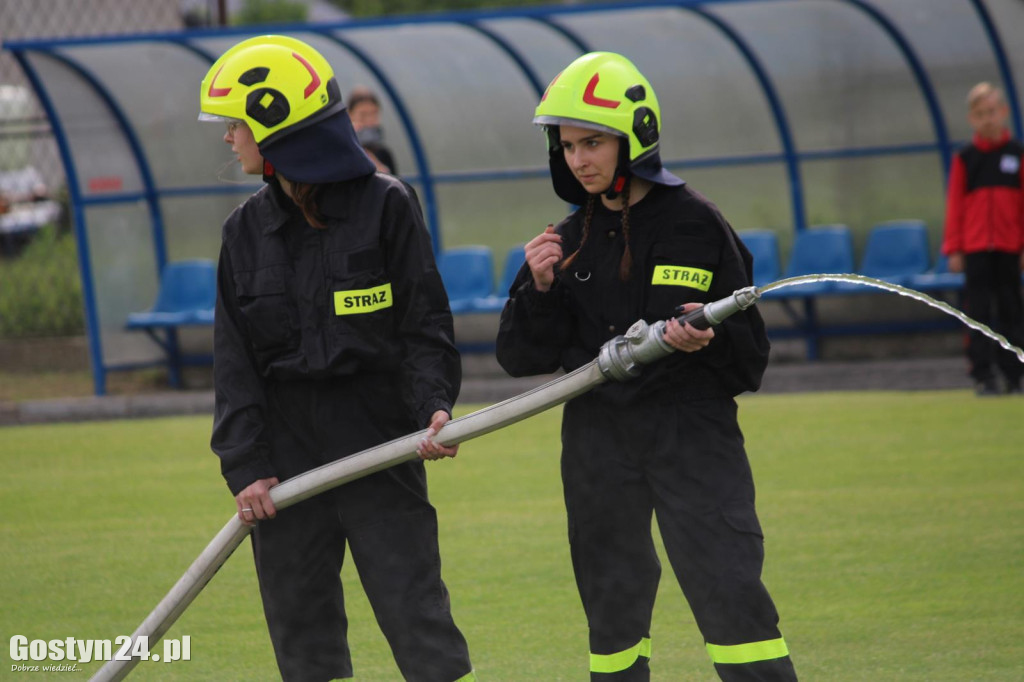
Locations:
{"points": [[620, 359]]}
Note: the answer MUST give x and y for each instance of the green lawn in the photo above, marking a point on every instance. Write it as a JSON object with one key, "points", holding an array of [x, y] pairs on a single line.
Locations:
{"points": [[894, 523]]}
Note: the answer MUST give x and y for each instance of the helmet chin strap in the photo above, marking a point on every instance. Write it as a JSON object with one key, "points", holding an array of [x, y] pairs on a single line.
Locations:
{"points": [[618, 184]]}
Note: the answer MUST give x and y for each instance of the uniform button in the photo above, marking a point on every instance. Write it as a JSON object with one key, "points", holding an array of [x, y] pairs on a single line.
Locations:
{"points": [[611, 328], [611, 234]]}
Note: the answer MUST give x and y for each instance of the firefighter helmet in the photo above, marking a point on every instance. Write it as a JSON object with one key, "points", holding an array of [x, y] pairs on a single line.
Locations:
{"points": [[604, 91], [275, 84], [285, 91]]}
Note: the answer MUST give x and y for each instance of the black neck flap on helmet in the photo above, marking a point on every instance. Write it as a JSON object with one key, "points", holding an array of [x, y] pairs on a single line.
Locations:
{"points": [[321, 149]]}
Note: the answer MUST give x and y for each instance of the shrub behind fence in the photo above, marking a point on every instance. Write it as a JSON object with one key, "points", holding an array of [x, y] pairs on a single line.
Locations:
{"points": [[40, 289]]}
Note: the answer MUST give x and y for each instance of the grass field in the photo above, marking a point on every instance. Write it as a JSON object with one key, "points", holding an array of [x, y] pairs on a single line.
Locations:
{"points": [[894, 524]]}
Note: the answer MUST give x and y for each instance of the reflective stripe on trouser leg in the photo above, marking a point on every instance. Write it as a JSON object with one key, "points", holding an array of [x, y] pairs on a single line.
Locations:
{"points": [[748, 653], [613, 663]]}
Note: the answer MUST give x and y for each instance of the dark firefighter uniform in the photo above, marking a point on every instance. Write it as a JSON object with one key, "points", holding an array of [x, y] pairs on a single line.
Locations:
{"points": [[667, 443], [327, 342]]}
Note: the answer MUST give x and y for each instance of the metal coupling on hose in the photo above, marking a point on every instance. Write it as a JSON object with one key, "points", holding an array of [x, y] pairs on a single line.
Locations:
{"points": [[623, 357]]}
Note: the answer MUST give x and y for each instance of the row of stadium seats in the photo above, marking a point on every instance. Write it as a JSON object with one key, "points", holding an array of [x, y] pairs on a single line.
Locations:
{"points": [[188, 288], [187, 294], [896, 252]]}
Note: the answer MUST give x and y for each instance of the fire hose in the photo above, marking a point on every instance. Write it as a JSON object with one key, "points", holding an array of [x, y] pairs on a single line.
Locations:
{"points": [[620, 359]]}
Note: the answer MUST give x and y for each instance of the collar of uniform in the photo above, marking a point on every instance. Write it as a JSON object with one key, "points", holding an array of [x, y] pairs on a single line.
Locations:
{"points": [[331, 200], [276, 208], [987, 145], [640, 206]]}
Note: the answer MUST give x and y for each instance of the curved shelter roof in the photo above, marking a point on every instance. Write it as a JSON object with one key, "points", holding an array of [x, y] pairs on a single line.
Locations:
{"points": [[786, 112]]}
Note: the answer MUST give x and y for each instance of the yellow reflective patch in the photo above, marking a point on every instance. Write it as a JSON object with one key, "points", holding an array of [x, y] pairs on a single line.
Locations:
{"points": [[622, 660], [680, 276], [748, 653], [357, 301]]}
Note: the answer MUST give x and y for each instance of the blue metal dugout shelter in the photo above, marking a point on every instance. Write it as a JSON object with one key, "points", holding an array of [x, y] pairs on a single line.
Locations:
{"points": [[786, 112]]}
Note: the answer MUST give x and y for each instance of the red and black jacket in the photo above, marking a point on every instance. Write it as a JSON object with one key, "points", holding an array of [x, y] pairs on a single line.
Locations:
{"points": [[985, 199]]}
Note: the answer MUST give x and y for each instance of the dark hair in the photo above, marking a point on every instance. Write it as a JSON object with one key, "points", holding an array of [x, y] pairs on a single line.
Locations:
{"points": [[361, 95], [626, 263], [587, 215], [305, 195]]}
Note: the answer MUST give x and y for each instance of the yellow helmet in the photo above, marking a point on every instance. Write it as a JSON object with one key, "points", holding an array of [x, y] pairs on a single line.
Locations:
{"points": [[604, 91], [276, 84]]}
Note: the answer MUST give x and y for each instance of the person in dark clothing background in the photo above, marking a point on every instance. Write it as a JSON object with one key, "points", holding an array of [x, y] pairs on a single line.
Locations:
{"points": [[364, 110], [984, 237], [332, 334], [668, 443]]}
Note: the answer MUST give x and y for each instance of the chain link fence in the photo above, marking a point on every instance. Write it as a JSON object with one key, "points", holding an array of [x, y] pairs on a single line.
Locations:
{"points": [[40, 290]]}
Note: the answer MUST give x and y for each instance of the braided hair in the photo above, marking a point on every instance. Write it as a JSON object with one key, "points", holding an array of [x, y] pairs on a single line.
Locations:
{"points": [[587, 215], [626, 263]]}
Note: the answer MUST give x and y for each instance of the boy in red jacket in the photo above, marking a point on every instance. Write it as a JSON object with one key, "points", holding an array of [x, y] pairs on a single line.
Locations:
{"points": [[984, 236]]}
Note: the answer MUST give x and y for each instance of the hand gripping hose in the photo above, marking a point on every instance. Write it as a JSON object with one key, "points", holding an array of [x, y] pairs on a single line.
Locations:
{"points": [[620, 359]]}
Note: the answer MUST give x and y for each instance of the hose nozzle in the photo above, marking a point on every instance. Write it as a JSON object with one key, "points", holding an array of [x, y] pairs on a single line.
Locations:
{"points": [[714, 313]]}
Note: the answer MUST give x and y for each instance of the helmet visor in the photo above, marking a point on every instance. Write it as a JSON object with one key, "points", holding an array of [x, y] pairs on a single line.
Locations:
{"points": [[216, 118], [565, 121]]}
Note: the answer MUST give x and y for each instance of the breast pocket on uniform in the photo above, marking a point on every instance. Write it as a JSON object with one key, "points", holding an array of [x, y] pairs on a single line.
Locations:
{"points": [[361, 295], [679, 273], [269, 311]]}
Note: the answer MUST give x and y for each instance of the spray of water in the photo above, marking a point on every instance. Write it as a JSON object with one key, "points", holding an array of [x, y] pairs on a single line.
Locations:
{"points": [[902, 291], [222, 174]]}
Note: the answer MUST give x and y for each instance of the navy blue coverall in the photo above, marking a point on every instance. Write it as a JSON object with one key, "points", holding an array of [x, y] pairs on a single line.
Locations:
{"points": [[667, 443], [328, 342]]}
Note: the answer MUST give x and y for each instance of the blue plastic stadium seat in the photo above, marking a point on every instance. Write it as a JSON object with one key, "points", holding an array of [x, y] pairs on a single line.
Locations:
{"points": [[824, 249], [896, 251], [514, 260], [764, 247], [187, 296], [468, 275], [938, 278], [494, 302]]}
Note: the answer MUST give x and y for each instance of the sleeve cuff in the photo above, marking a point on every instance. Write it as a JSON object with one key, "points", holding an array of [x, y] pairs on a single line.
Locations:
{"points": [[432, 406], [542, 301], [240, 478]]}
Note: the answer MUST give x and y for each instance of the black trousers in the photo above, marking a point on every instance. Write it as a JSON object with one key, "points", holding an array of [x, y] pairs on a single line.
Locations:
{"points": [[685, 463], [992, 296], [391, 530], [385, 520]]}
